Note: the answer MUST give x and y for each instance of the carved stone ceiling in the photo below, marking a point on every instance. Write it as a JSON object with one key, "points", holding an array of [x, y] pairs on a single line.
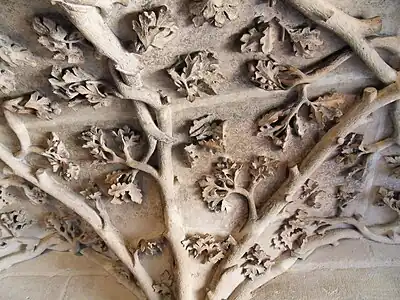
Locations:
{"points": [[197, 160]]}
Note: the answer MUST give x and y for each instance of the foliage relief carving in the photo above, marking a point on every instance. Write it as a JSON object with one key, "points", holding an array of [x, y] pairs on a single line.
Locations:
{"points": [[64, 44], [79, 221]]}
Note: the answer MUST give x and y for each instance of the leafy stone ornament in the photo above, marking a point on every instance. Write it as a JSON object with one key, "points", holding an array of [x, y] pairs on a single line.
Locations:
{"points": [[282, 223], [216, 12], [264, 35], [78, 86], [64, 44], [281, 124], [154, 28], [58, 157], [196, 72], [259, 38], [12, 55], [36, 104], [305, 40], [207, 248], [208, 133]]}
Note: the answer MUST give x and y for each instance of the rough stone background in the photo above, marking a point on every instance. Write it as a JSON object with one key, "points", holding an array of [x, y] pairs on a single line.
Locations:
{"points": [[353, 270]]}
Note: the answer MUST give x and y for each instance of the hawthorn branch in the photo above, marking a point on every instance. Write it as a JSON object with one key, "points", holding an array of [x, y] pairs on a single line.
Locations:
{"points": [[377, 233], [251, 205], [91, 24], [372, 100], [19, 128], [174, 232], [244, 290], [35, 247], [102, 225], [294, 77], [94, 28], [353, 31]]}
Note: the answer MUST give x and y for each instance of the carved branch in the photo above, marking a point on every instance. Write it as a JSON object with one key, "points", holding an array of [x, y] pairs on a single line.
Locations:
{"points": [[148, 125], [91, 24], [372, 101], [145, 95], [372, 233], [129, 68], [293, 77], [244, 290], [174, 232], [19, 128], [102, 225], [33, 250], [353, 31]]}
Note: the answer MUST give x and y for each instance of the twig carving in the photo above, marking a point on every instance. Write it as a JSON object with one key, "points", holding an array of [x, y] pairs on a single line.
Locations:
{"points": [[293, 213]]}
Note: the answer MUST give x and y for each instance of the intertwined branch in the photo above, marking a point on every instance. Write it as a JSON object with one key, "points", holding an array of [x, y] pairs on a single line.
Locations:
{"points": [[125, 69], [354, 32]]}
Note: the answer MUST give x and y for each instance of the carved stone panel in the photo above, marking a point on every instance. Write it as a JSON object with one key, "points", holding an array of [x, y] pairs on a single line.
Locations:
{"points": [[197, 149]]}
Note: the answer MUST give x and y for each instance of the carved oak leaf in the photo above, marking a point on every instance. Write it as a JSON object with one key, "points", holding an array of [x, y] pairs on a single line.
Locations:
{"points": [[75, 231], [217, 187], [58, 40], [352, 155], [344, 196], [306, 41], [154, 28], [77, 86], [327, 108], [393, 162], [164, 285], [259, 38], [126, 137], [310, 193], [196, 72], [216, 12], [257, 262], [294, 232], [58, 157], [15, 220], [265, 74], [390, 198], [34, 103], [95, 141], [92, 193], [262, 167], [206, 247], [13, 54], [208, 133], [280, 124], [122, 188]]}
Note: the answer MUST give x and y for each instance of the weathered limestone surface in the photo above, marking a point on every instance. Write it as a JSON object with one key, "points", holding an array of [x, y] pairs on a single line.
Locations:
{"points": [[187, 150]]}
